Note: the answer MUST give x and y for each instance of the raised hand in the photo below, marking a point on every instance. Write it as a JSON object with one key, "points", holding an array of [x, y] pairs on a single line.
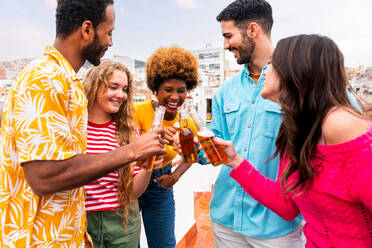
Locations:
{"points": [[234, 158], [169, 132], [149, 144], [176, 143]]}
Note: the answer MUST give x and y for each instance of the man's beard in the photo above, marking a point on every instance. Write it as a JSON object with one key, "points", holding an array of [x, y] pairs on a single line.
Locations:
{"points": [[245, 50], [92, 52]]}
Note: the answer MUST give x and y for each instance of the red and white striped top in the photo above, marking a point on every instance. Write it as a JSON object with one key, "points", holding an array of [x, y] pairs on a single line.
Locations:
{"points": [[102, 193]]}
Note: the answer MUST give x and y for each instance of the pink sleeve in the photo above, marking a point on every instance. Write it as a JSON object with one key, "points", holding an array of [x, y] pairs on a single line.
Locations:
{"points": [[264, 190], [362, 184]]}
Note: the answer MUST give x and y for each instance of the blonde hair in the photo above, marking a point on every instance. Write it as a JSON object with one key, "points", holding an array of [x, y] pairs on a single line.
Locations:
{"points": [[125, 127]]}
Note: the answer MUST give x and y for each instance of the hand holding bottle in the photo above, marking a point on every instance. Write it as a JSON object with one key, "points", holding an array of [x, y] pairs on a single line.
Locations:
{"points": [[234, 159], [186, 140], [148, 145], [215, 153], [156, 125], [169, 132], [174, 131]]}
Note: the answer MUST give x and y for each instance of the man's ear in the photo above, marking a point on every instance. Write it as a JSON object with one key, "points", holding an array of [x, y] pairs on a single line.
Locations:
{"points": [[87, 31], [253, 29]]}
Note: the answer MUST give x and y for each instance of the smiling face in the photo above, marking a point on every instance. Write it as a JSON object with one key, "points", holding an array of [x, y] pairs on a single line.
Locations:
{"points": [[171, 94], [271, 86], [95, 50], [109, 100], [237, 42]]}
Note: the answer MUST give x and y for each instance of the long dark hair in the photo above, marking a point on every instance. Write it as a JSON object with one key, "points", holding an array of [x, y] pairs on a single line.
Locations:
{"points": [[312, 81]]}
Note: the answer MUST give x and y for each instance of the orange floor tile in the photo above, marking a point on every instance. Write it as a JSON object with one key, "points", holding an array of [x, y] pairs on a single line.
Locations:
{"points": [[200, 234]]}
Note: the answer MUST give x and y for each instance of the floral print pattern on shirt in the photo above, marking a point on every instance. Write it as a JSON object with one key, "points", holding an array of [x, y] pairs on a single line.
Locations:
{"points": [[44, 118]]}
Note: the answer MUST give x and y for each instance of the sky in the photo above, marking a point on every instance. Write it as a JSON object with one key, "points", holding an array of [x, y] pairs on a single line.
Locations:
{"points": [[142, 26]]}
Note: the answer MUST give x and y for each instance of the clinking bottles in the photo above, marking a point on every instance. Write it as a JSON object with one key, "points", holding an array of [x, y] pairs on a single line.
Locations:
{"points": [[156, 122], [186, 137], [215, 153]]}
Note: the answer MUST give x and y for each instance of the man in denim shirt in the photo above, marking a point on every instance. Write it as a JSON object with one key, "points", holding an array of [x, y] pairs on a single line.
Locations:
{"points": [[241, 115]]}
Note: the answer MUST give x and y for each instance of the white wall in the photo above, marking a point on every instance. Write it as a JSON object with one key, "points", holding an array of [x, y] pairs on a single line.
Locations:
{"points": [[198, 178]]}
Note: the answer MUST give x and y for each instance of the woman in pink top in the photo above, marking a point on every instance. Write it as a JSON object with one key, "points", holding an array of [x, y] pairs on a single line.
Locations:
{"points": [[325, 147]]}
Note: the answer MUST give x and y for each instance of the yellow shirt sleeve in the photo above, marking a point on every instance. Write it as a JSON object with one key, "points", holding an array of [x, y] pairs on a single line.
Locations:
{"points": [[143, 116], [41, 127]]}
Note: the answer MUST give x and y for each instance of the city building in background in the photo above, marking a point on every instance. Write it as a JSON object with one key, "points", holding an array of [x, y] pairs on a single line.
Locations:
{"points": [[193, 192], [126, 61], [212, 63], [214, 67], [360, 79]]}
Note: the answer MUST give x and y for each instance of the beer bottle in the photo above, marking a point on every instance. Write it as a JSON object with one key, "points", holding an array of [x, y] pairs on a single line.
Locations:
{"points": [[156, 122], [215, 153], [186, 138], [176, 126]]}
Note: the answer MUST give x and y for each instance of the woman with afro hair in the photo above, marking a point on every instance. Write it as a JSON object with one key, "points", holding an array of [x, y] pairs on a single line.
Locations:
{"points": [[170, 74]]}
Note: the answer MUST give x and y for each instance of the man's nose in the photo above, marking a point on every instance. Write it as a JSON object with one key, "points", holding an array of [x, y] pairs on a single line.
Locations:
{"points": [[226, 44]]}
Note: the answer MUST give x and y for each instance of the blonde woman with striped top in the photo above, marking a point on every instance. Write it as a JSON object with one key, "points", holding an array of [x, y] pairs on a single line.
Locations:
{"points": [[111, 201]]}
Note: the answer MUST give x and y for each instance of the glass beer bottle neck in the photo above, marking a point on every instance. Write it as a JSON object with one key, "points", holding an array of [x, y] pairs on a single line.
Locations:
{"points": [[183, 124], [158, 117]]}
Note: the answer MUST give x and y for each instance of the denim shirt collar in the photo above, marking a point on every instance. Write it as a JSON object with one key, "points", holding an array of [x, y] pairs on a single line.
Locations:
{"points": [[246, 73]]}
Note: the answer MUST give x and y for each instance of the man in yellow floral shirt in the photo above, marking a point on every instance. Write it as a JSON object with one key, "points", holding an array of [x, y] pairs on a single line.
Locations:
{"points": [[43, 135]]}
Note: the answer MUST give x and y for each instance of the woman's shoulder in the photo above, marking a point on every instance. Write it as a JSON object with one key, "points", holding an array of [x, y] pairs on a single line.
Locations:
{"points": [[342, 125], [143, 115]]}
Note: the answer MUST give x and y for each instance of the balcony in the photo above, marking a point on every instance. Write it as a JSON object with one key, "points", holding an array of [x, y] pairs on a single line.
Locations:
{"points": [[192, 194]]}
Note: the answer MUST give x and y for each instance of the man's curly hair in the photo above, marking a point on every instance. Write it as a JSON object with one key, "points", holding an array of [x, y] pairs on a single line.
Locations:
{"points": [[70, 14], [171, 63]]}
